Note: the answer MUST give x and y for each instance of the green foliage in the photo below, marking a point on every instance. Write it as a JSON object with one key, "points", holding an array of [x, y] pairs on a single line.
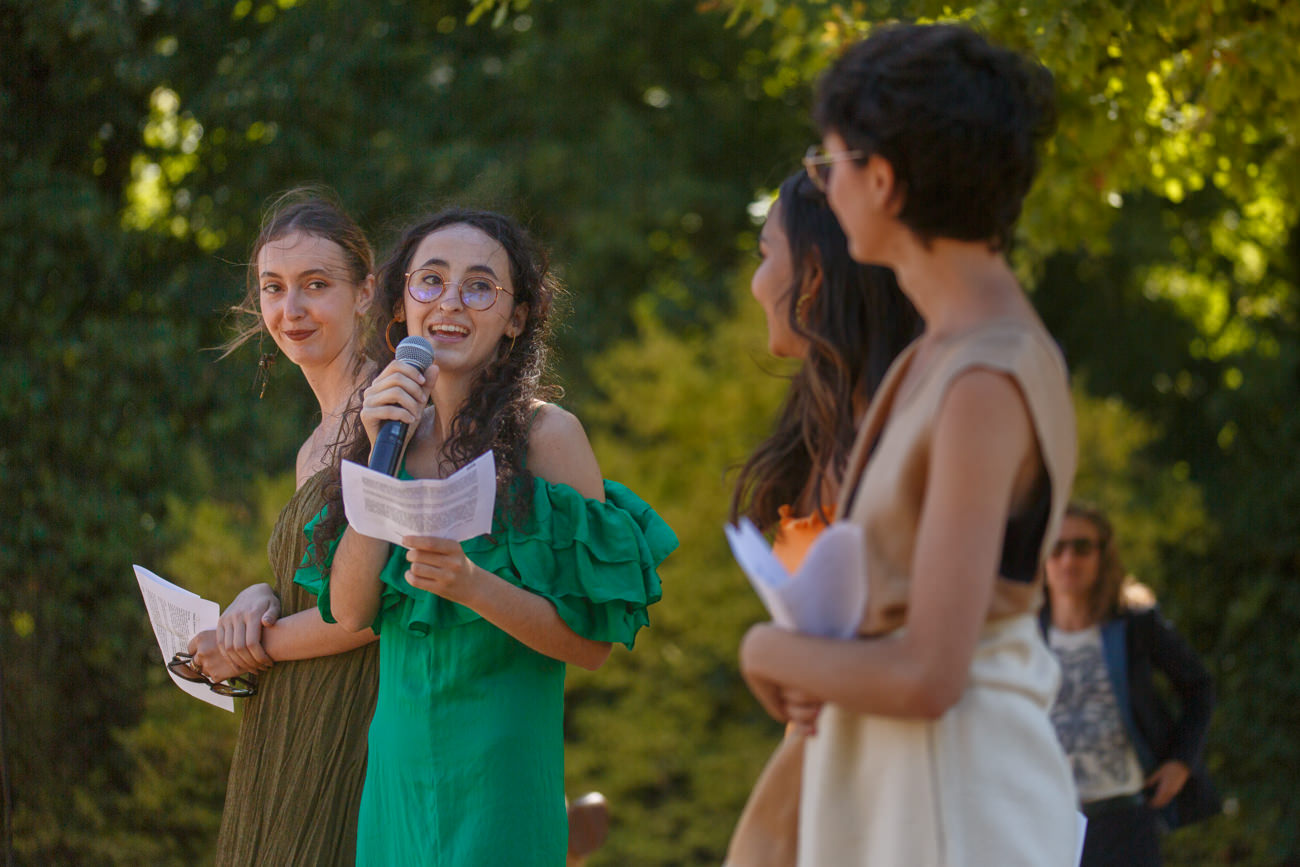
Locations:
{"points": [[568, 113], [138, 143], [1162, 239], [1155, 508], [160, 804], [1226, 419], [668, 732]]}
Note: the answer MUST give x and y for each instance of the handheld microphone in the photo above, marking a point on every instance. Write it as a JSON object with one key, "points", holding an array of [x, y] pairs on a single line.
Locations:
{"points": [[417, 352]]}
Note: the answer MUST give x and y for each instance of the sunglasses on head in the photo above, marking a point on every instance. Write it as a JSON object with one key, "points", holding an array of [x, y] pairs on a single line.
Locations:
{"points": [[1080, 547]]}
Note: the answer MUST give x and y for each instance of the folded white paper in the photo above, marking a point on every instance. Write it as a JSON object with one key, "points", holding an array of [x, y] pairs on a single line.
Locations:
{"points": [[825, 597], [458, 507], [177, 615]]}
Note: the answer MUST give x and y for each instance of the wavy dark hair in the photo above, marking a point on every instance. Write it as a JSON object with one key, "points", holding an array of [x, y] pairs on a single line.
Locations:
{"points": [[959, 119], [499, 410], [314, 210], [856, 325]]}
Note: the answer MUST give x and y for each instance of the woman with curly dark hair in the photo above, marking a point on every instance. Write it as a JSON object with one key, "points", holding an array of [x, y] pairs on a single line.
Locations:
{"points": [[466, 760], [934, 747], [847, 321], [1137, 762]]}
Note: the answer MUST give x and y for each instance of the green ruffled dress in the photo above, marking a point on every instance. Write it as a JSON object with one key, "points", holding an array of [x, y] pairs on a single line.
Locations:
{"points": [[466, 749]]}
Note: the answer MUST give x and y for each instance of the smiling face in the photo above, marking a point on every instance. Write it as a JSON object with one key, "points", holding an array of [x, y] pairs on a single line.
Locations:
{"points": [[773, 284], [309, 303], [464, 340]]}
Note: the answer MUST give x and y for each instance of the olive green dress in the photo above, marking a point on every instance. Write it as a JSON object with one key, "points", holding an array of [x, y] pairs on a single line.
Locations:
{"points": [[300, 760], [467, 746]]}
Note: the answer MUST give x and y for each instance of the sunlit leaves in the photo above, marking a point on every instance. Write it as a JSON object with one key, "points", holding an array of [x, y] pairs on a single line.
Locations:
{"points": [[1167, 97], [1157, 507]]}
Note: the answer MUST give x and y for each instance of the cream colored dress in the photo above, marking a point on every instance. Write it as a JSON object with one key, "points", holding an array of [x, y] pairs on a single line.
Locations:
{"points": [[985, 785]]}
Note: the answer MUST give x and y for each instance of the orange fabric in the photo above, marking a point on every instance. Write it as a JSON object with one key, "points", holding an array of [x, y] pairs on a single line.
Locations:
{"points": [[794, 536]]}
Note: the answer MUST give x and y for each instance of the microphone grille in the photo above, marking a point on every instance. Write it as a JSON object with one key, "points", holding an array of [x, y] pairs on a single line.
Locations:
{"points": [[415, 351]]}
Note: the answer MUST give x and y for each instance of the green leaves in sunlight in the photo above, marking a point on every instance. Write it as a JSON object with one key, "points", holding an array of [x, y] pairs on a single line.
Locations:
{"points": [[139, 142], [669, 732]]}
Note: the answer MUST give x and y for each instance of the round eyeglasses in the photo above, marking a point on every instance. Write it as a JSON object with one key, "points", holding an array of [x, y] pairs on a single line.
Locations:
{"points": [[817, 163], [476, 292]]}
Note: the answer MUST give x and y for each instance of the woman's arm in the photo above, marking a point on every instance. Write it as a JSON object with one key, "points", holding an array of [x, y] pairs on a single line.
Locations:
{"points": [[239, 629], [983, 453], [440, 566], [1191, 683], [559, 453], [304, 635], [252, 636], [400, 393], [354, 580]]}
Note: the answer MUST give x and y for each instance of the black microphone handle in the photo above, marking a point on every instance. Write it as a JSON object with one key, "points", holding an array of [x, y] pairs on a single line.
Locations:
{"points": [[388, 447], [418, 353]]}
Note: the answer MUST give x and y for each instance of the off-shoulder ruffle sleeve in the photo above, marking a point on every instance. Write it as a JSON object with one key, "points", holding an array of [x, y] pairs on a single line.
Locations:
{"points": [[309, 575], [596, 562]]}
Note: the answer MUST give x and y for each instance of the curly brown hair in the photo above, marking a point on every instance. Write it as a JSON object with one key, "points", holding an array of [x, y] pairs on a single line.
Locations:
{"points": [[499, 411]]}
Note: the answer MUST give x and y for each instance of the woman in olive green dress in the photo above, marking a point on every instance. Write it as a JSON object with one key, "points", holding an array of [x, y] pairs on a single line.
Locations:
{"points": [[466, 762], [299, 763]]}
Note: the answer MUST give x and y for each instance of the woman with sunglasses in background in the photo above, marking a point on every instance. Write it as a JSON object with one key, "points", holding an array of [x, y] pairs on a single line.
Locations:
{"points": [[847, 322], [466, 762], [299, 762], [1136, 764]]}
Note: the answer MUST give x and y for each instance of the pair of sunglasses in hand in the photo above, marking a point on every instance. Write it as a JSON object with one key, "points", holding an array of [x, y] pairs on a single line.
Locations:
{"points": [[182, 665]]}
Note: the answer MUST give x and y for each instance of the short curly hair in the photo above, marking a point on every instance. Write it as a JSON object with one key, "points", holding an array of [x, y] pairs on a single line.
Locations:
{"points": [[959, 119]]}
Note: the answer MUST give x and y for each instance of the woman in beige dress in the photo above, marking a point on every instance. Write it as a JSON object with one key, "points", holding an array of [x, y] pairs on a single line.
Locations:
{"points": [[933, 746]]}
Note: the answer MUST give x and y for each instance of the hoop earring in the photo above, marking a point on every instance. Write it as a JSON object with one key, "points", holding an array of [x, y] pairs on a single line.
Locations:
{"points": [[511, 350], [801, 309], [264, 372], [388, 338]]}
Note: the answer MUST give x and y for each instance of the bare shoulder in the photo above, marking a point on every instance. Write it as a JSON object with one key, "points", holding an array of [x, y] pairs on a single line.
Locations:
{"points": [[560, 453], [981, 393], [984, 428]]}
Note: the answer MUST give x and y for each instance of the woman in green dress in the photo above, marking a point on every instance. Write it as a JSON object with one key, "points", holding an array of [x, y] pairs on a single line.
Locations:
{"points": [[299, 762], [466, 762]]}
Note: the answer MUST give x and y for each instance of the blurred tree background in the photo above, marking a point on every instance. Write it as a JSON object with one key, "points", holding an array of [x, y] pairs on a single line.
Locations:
{"points": [[139, 140]]}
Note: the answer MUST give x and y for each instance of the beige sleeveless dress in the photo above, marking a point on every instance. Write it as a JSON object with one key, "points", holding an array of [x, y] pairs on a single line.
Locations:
{"points": [[300, 759], [985, 785]]}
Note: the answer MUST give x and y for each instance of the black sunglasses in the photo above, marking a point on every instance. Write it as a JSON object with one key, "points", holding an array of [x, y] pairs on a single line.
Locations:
{"points": [[182, 665], [1081, 547]]}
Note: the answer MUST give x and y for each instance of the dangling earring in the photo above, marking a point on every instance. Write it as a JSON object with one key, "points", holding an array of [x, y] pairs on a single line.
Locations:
{"points": [[801, 309], [263, 372], [513, 337], [388, 337]]}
